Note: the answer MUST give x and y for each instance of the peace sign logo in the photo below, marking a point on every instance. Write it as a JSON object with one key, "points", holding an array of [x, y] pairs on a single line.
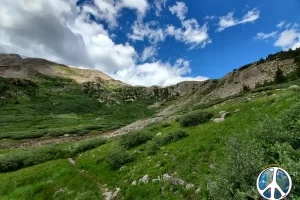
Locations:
{"points": [[274, 183]]}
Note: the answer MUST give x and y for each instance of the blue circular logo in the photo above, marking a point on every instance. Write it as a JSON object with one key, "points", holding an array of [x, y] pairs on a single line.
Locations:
{"points": [[274, 183]]}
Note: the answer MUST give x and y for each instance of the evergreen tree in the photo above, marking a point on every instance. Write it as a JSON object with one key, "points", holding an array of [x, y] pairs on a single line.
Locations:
{"points": [[279, 77]]}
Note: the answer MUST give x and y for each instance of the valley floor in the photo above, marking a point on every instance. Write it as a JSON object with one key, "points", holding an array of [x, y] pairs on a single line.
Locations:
{"points": [[183, 169]]}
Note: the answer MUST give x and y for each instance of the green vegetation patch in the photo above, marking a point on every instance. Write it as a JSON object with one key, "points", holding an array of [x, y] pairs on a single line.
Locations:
{"points": [[195, 118]]}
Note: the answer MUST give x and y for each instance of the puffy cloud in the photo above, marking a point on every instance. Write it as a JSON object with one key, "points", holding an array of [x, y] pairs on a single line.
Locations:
{"points": [[148, 53], [288, 39], [157, 73], [140, 31], [180, 9], [191, 32], [264, 36], [229, 21]]}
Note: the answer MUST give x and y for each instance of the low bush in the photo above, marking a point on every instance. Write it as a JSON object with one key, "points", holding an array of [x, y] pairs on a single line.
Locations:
{"points": [[17, 160], [195, 118], [136, 138], [117, 157], [152, 146], [88, 144]]}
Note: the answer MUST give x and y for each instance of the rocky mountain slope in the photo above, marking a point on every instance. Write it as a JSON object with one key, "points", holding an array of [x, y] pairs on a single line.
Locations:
{"points": [[111, 91]]}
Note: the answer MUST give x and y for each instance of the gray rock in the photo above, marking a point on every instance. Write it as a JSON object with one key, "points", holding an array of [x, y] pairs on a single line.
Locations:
{"points": [[167, 177], [177, 181], [66, 135], [115, 194], [189, 186], [198, 190], [145, 179], [133, 182], [218, 120]]}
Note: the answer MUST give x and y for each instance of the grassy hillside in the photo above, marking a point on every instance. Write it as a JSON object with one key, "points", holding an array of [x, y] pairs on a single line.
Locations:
{"points": [[209, 156], [55, 107]]}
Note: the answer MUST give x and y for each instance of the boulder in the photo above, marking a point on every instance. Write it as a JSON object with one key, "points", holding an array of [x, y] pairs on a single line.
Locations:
{"points": [[159, 134], [198, 190]]}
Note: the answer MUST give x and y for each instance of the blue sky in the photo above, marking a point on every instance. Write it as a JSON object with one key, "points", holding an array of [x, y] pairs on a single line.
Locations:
{"points": [[150, 42]]}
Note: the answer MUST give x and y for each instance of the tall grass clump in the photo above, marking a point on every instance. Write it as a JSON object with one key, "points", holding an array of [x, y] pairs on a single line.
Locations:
{"points": [[195, 118]]}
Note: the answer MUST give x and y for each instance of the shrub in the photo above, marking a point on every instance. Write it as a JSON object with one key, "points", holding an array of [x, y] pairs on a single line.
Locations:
{"points": [[117, 157], [171, 137], [89, 144], [17, 160], [279, 77], [151, 147], [134, 139], [14, 161], [195, 118]]}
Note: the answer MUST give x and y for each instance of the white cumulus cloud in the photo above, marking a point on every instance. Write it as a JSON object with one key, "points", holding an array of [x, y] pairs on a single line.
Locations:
{"points": [[289, 38]]}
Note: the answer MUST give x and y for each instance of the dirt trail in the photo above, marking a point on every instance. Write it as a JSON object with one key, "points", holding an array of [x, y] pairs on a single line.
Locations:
{"points": [[137, 125]]}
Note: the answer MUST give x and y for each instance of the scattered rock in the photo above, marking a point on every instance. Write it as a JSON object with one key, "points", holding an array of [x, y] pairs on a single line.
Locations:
{"points": [[145, 179], [198, 190], [133, 182], [115, 194], [108, 195], [189, 186], [72, 161], [237, 110], [177, 181], [159, 134], [217, 120], [60, 190], [167, 177]]}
